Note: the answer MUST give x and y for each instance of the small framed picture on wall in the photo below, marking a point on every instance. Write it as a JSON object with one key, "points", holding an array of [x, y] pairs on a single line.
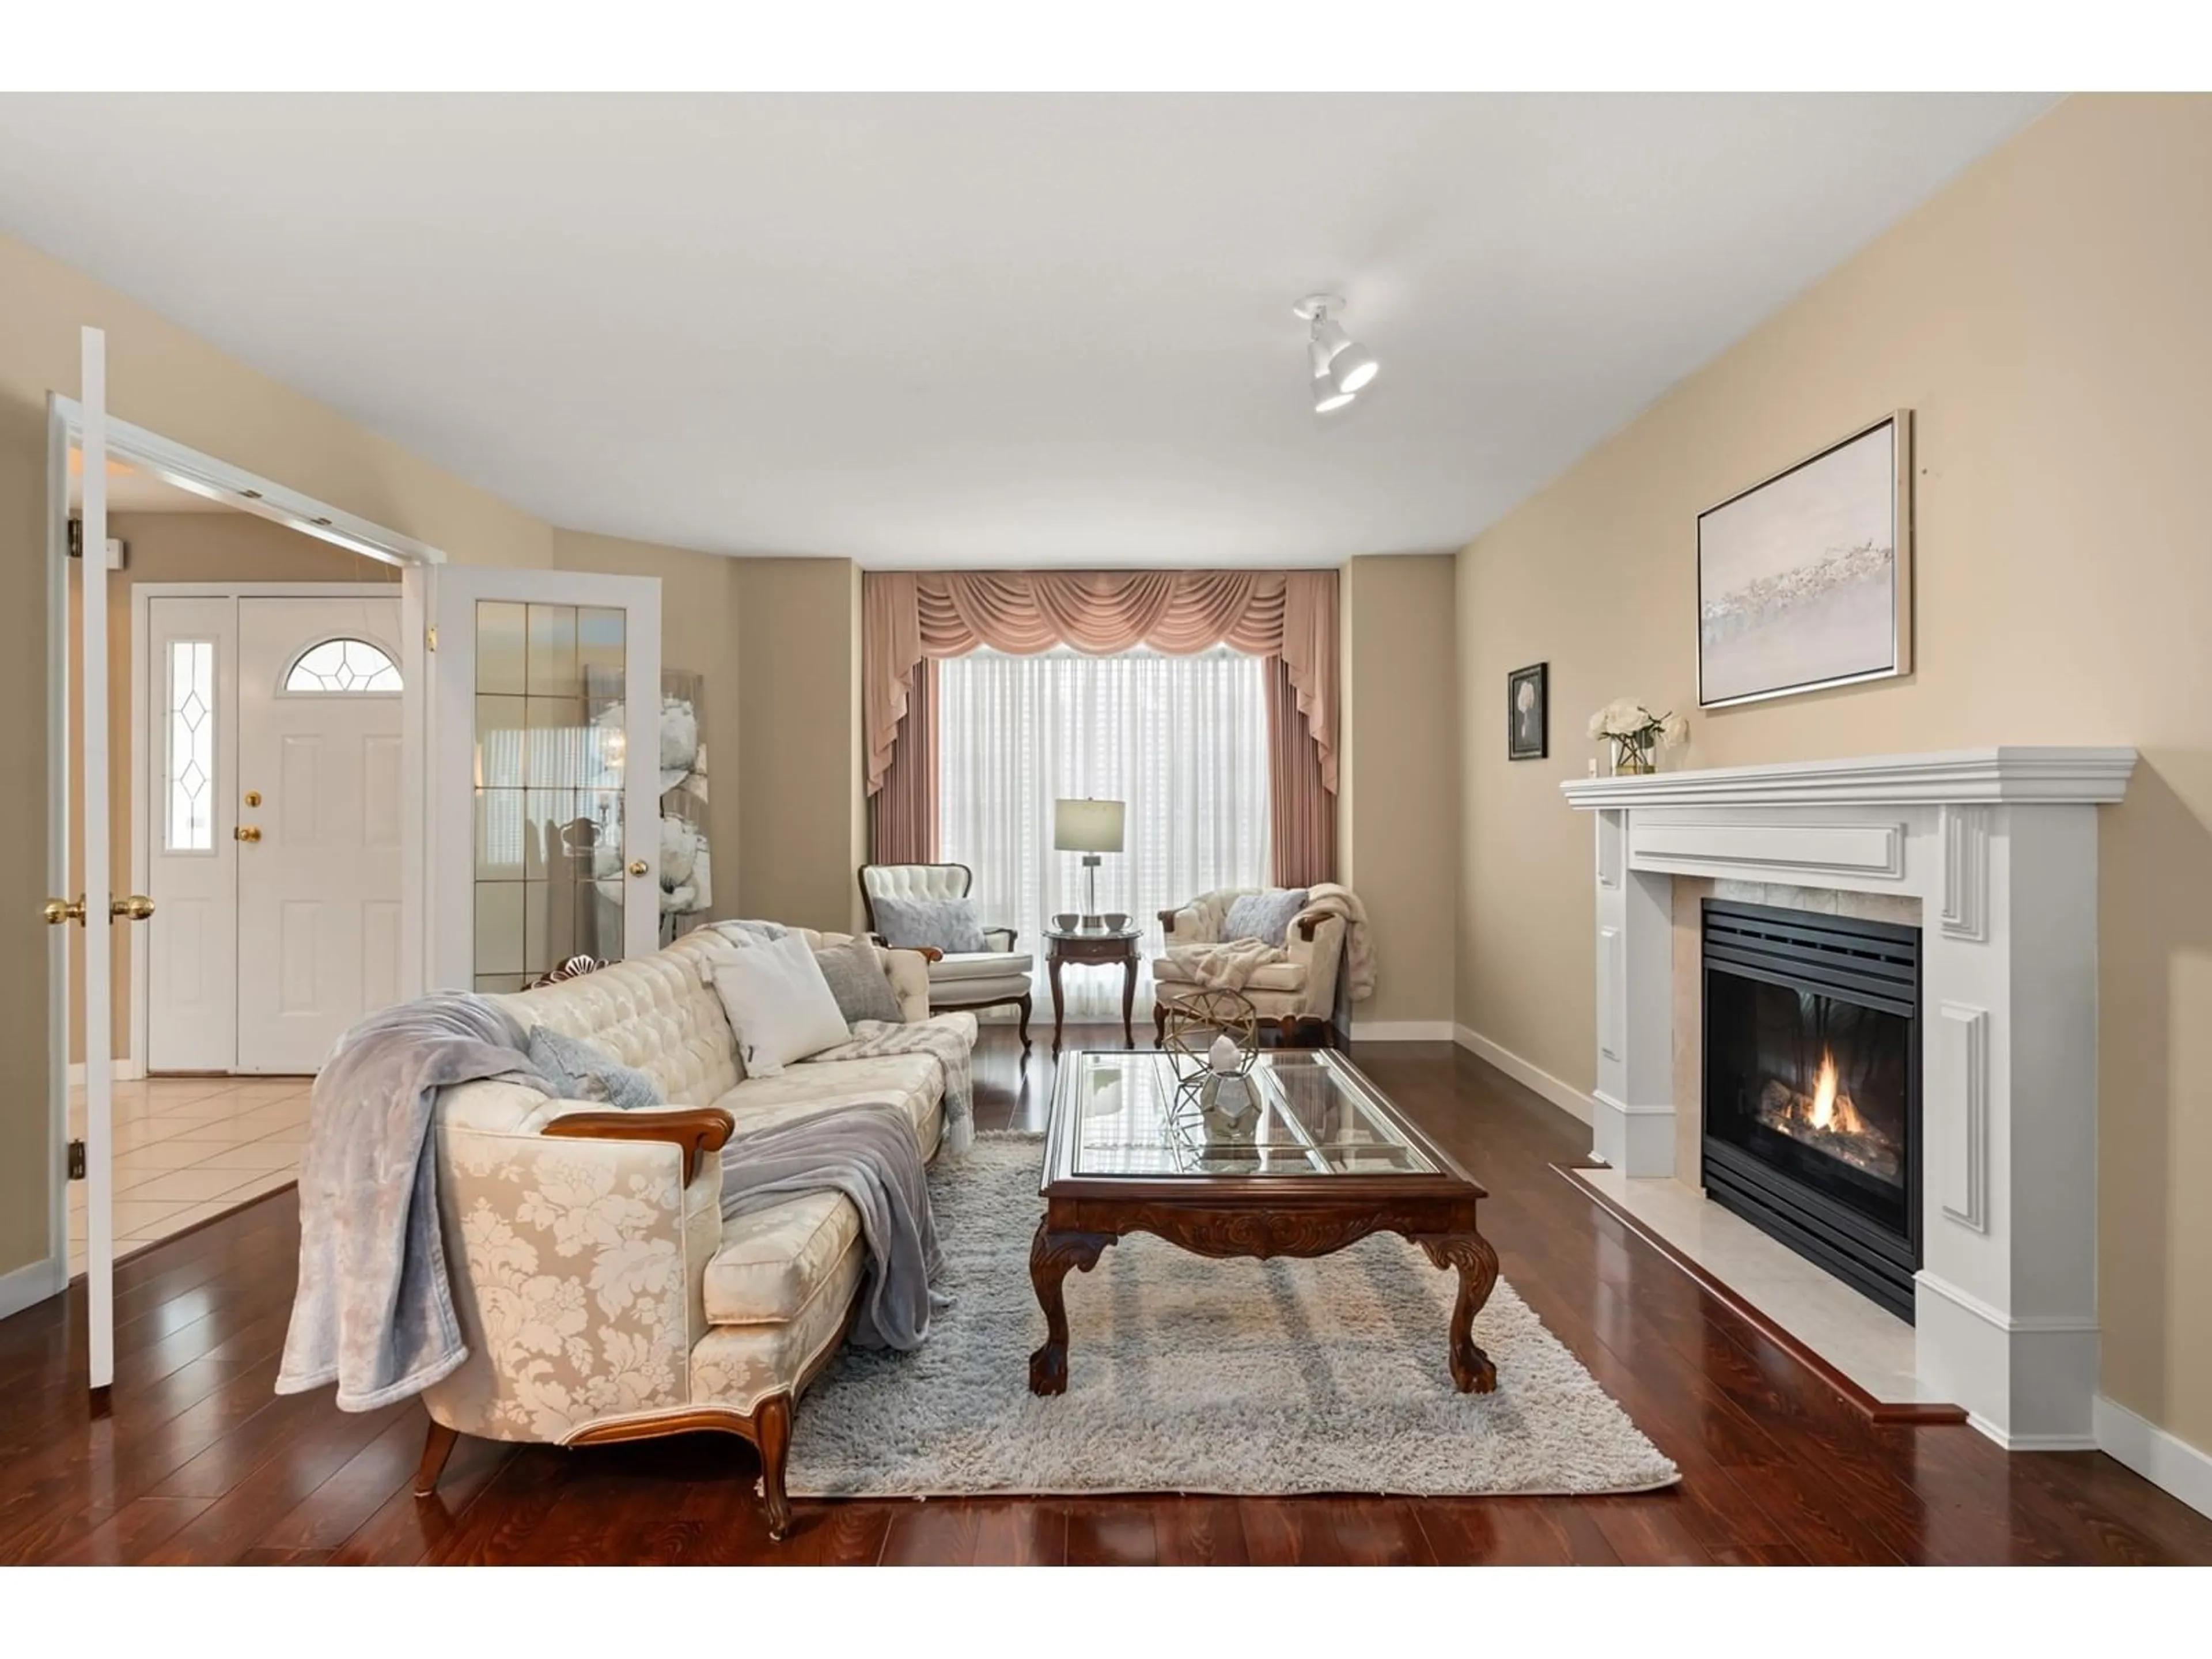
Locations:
{"points": [[1528, 712]]}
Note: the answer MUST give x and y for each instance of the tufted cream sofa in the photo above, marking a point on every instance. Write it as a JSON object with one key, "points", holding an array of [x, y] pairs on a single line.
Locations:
{"points": [[602, 1294], [1300, 995]]}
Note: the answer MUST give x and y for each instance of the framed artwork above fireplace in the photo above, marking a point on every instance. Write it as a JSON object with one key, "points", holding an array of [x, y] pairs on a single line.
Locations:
{"points": [[1805, 579]]}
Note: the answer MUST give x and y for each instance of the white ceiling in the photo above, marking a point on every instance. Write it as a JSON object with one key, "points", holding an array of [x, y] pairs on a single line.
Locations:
{"points": [[922, 329]]}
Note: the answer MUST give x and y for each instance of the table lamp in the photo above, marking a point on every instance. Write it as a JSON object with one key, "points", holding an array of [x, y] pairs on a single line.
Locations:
{"points": [[1088, 827]]}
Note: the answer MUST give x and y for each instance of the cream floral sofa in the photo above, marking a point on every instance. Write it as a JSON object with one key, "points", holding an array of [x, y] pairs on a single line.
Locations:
{"points": [[602, 1296], [1302, 996]]}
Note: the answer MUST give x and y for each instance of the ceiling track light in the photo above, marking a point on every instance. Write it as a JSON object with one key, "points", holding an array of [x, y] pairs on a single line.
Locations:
{"points": [[1340, 365]]}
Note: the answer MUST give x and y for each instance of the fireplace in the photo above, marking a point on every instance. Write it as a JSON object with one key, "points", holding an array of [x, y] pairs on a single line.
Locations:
{"points": [[1812, 1088]]}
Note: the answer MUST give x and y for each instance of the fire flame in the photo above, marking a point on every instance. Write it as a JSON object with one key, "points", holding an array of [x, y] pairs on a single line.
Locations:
{"points": [[1831, 1107]]}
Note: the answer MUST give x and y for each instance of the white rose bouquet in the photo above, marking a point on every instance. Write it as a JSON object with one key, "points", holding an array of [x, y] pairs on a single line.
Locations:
{"points": [[1634, 731]]}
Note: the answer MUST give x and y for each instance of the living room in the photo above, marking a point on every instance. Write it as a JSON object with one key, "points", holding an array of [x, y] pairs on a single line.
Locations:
{"points": [[1384, 828]]}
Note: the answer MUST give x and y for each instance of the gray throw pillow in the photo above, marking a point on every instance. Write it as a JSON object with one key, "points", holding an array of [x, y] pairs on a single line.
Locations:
{"points": [[857, 979], [947, 923], [1265, 916], [584, 1071]]}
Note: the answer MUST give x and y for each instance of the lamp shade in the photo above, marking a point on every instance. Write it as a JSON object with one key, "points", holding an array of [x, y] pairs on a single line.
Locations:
{"points": [[1328, 396], [1086, 826], [1353, 368]]}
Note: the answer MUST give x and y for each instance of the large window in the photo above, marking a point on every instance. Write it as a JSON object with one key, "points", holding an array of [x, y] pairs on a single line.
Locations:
{"points": [[1184, 740]]}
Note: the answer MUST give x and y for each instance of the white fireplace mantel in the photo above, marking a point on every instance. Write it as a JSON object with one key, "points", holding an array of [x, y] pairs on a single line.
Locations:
{"points": [[1999, 848], [1959, 777]]}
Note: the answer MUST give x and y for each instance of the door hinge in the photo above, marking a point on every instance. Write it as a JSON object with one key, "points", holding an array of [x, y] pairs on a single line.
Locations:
{"points": [[76, 1160], [430, 637]]}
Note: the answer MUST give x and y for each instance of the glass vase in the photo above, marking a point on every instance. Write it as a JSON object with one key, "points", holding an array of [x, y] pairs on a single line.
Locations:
{"points": [[1633, 760]]}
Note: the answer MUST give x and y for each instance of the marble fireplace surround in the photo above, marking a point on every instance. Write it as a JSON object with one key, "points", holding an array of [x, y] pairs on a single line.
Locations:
{"points": [[1996, 850]]}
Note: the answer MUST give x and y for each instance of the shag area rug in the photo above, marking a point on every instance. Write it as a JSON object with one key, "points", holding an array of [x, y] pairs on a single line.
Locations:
{"points": [[1187, 1375]]}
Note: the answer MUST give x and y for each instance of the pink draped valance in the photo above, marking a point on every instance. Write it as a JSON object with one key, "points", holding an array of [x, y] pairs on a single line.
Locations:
{"points": [[909, 615]]}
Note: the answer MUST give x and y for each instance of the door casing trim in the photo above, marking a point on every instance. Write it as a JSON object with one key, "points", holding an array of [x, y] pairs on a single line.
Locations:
{"points": [[143, 595]]}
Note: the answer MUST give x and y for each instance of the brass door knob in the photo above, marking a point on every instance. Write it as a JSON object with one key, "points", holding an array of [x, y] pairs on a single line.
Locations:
{"points": [[254, 798], [135, 907], [639, 866], [247, 832], [58, 911]]}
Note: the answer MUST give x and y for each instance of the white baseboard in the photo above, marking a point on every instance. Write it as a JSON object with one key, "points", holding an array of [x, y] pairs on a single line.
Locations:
{"points": [[1401, 1030], [126, 1071], [2028, 1442], [1563, 1095], [29, 1284], [1636, 1140], [2164, 1460]]}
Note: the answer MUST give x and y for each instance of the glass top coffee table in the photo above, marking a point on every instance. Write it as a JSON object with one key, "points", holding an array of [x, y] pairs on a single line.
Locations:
{"points": [[1306, 1156]]}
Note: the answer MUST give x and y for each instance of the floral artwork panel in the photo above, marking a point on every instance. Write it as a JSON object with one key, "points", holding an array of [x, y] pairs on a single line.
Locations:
{"points": [[1527, 713], [1804, 581]]}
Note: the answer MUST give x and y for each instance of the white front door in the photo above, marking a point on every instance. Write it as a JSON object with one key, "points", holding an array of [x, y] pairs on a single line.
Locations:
{"points": [[316, 796], [544, 836]]}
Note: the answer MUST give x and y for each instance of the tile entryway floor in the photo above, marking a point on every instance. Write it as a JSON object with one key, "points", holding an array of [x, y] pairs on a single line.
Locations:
{"points": [[187, 1148]]}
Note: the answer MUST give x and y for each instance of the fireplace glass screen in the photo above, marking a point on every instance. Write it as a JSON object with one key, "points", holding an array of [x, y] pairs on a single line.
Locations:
{"points": [[1812, 1087]]}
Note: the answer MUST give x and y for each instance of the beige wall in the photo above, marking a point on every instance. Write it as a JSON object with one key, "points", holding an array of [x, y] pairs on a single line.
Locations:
{"points": [[2046, 318], [162, 378], [171, 547], [698, 632], [1398, 779], [799, 809]]}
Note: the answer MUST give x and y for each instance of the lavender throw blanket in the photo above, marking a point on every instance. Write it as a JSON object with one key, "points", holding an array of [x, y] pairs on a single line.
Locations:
{"points": [[373, 1312], [867, 1153]]}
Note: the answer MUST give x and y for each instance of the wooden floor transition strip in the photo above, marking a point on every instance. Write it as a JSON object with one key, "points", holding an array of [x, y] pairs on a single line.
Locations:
{"points": [[1907, 1411]]}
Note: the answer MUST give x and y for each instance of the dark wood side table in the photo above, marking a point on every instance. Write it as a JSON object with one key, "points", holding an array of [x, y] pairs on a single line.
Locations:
{"points": [[1090, 946]]}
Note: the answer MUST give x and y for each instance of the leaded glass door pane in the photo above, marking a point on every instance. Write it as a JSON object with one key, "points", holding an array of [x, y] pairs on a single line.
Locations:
{"points": [[561, 838]]}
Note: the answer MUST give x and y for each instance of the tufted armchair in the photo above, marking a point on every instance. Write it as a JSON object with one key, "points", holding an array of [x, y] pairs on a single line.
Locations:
{"points": [[1302, 995], [990, 978], [602, 1295]]}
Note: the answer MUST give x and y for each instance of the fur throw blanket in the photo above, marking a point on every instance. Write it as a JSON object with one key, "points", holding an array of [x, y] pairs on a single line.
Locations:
{"points": [[1228, 966], [1330, 898], [944, 1044]]}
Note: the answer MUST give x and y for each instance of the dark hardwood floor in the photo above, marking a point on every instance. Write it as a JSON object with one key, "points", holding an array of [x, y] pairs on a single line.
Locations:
{"points": [[199, 1462]]}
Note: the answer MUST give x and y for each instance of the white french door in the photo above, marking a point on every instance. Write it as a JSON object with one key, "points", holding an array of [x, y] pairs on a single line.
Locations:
{"points": [[544, 835], [97, 909]]}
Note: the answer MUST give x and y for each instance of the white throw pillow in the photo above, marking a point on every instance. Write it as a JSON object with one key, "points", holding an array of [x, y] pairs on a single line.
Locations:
{"points": [[779, 1004]]}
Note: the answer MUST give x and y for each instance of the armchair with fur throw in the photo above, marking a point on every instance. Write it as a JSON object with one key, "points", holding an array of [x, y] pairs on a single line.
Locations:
{"points": [[1304, 986]]}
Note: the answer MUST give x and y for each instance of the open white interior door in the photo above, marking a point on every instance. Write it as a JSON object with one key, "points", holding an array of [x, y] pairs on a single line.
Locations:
{"points": [[544, 818], [97, 909]]}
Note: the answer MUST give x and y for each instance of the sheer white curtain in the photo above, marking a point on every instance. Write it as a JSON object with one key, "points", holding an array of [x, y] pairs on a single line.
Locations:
{"points": [[1184, 740]]}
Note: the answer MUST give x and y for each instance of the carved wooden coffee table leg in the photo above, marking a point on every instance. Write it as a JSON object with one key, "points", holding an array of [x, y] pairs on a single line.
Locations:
{"points": [[1051, 1255], [1471, 1252]]}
